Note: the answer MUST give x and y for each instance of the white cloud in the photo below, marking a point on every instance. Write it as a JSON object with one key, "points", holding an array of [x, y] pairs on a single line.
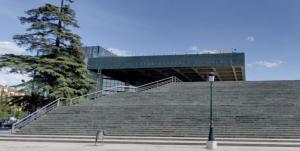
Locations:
{"points": [[6, 78], [266, 64], [250, 39], [210, 51], [196, 49], [10, 79], [119, 52], [7, 47]]}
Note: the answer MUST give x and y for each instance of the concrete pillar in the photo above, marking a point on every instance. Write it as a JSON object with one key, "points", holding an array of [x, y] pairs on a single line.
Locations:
{"points": [[99, 80]]}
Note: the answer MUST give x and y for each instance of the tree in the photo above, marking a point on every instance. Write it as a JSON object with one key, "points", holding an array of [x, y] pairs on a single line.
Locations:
{"points": [[58, 66]]}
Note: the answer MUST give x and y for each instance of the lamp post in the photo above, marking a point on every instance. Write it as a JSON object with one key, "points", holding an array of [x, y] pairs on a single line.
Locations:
{"points": [[211, 143]]}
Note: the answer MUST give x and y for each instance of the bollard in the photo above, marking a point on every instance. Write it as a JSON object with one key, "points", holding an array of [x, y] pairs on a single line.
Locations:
{"points": [[99, 136]]}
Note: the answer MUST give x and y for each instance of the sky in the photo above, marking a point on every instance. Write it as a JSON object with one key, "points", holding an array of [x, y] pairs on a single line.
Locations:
{"points": [[267, 31]]}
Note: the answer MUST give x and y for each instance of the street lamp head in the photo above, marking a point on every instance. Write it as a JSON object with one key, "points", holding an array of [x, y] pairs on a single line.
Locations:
{"points": [[211, 77]]}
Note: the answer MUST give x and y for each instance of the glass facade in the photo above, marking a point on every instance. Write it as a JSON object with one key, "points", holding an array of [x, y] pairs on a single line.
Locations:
{"points": [[105, 82]]}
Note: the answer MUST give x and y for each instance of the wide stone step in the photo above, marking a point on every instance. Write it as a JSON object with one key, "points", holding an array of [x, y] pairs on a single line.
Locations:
{"points": [[249, 109]]}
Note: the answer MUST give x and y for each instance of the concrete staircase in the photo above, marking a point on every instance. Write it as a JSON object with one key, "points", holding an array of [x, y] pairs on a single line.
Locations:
{"points": [[246, 109]]}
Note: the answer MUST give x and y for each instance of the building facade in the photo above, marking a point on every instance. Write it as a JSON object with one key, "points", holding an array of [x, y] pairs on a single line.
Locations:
{"points": [[138, 70]]}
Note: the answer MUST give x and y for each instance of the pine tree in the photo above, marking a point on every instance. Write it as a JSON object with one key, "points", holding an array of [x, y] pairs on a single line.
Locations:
{"points": [[58, 65]]}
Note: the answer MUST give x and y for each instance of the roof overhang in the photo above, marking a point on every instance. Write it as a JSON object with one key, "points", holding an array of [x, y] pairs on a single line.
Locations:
{"points": [[192, 67]]}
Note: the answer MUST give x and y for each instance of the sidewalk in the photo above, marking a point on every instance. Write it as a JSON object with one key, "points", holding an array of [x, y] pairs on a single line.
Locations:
{"points": [[46, 146], [196, 141], [4, 131]]}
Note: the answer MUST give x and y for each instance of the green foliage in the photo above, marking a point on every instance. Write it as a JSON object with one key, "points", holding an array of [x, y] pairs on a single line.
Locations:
{"points": [[7, 109], [29, 103], [20, 114], [58, 66], [14, 111], [3, 114]]}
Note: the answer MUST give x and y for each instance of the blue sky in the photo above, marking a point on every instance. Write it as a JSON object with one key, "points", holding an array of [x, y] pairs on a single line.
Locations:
{"points": [[266, 30]]}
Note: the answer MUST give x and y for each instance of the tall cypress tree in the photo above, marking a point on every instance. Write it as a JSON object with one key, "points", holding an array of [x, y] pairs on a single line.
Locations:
{"points": [[58, 65]]}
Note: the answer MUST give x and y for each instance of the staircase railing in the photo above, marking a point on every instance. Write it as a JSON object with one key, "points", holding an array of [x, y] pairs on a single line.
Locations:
{"points": [[65, 102], [97, 94], [158, 83], [33, 116], [94, 95]]}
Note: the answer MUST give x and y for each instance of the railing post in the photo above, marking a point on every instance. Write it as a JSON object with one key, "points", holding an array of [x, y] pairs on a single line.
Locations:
{"points": [[13, 128], [34, 116], [58, 102]]}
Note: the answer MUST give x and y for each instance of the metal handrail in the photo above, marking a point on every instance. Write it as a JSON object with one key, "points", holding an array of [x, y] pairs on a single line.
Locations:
{"points": [[96, 94], [52, 105], [35, 114], [158, 83], [154, 82], [111, 88]]}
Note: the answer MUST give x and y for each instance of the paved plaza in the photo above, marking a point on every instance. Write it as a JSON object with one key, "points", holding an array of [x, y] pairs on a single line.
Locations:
{"points": [[46, 146]]}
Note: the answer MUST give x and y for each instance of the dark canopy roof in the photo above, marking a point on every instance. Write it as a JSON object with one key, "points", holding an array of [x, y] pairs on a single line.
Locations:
{"points": [[190, 67]]}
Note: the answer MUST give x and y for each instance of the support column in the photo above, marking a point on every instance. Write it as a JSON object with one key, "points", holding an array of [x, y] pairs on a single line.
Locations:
{"points": [[99, 80]]}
